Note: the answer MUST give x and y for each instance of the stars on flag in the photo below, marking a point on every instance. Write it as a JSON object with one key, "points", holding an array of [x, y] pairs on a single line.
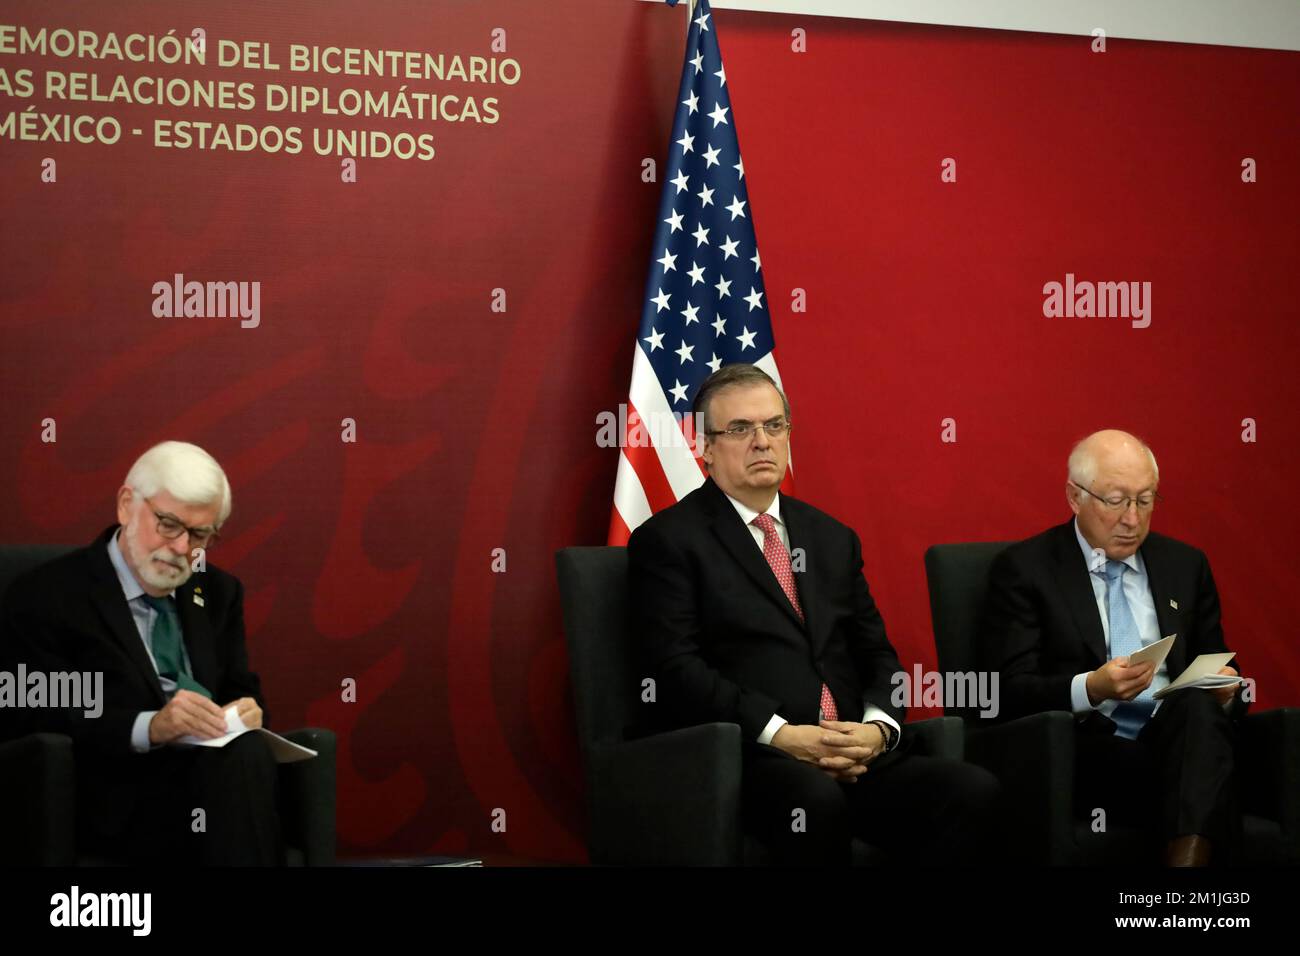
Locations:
{"points": [[696, 291]]}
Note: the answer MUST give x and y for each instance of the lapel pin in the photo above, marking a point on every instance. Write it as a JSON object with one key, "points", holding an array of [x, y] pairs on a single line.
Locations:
{"points": [[1173, 604], [198, 599]]}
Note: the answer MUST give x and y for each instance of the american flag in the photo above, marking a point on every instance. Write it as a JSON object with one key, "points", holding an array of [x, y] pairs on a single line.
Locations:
{"points": [[705, 305]]}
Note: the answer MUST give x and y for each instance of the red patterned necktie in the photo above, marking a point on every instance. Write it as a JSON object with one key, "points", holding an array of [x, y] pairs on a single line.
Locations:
{"points": [[779, 560]]}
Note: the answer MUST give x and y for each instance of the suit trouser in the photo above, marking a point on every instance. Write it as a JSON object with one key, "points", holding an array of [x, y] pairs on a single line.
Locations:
{"points": [[234, 786], [1177, 777], [923, 810]]}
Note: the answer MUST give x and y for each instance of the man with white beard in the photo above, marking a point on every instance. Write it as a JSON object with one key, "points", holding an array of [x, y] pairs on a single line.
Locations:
{"points": [[142, 606]]}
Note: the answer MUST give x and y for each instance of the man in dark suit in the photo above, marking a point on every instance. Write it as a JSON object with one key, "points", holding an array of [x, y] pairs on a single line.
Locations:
{"points": [[1067, 608], [169, 643], [753, 609]]}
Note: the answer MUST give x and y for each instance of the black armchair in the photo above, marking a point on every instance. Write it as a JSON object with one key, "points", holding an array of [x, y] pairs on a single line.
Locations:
{"points": [[1034, 756], [38, 799], [667, 798]]}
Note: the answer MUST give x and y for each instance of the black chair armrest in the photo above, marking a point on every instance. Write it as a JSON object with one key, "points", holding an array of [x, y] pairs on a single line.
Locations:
{"points": [[38, 801], [307, 797], [1269, 770], [671, 798], [937, 737], [1033, 757]]}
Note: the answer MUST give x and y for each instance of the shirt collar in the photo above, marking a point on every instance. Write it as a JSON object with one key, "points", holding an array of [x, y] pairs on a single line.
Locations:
{"points": [[748, 514], [130, 586], [1096, 557]]}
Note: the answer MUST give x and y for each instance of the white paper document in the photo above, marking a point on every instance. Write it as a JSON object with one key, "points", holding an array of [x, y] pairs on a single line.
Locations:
{"points": [[1156, 653], [1202, 672], [285, 751]]}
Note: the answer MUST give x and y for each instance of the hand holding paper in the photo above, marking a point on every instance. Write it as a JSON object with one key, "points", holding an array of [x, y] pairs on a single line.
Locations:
{"points": [[285, 751], [1228, 691], [187, 714], [249, 712], [1208, 671], [234, 727]]}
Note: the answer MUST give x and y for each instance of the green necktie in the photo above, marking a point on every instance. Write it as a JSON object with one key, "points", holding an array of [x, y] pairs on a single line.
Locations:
{"points": [[167, 646]]}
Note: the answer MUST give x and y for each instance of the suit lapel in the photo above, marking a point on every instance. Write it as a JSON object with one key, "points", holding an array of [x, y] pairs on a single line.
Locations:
{"points": [[196, 631], [1162, 591], [1075, 584], [738, 539], [107, 597]]}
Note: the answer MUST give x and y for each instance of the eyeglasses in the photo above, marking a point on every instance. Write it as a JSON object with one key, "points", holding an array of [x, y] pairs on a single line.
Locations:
{"points": [[171, 528], [742, 431], [1118, 503]]}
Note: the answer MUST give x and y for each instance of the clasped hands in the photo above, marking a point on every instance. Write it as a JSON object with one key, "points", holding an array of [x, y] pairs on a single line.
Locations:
{"points": [[841, 749]]}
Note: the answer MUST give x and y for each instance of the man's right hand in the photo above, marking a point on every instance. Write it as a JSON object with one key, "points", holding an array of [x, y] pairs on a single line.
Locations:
{"points": [[804, 742], [1116, 680], [187, 713]]}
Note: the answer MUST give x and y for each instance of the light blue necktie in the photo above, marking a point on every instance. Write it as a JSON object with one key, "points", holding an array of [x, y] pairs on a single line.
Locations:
{"points": [[1131, 715]]}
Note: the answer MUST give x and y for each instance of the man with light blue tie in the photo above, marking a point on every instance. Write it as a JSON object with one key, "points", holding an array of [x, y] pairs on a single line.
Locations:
{"points": [[1066, 610]]}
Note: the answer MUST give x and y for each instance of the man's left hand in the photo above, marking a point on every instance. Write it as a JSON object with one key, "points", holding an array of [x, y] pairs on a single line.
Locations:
{"points": [[248, 711], [1225, 694], [856, 744]]}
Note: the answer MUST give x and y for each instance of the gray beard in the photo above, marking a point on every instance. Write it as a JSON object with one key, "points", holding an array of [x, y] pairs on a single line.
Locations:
{"points": [[143, 563]]}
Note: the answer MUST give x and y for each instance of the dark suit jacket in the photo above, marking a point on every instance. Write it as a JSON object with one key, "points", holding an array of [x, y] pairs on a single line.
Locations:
{"points": [[1042, 624], [723, 639], [71, 615]]}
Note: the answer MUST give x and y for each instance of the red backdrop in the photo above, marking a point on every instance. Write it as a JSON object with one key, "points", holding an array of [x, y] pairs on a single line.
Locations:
{"points": [[476, 429]]}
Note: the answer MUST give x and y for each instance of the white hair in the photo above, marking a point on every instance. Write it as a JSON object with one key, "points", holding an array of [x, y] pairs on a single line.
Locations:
{"points": [[1082, 466], [186, 472]]}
